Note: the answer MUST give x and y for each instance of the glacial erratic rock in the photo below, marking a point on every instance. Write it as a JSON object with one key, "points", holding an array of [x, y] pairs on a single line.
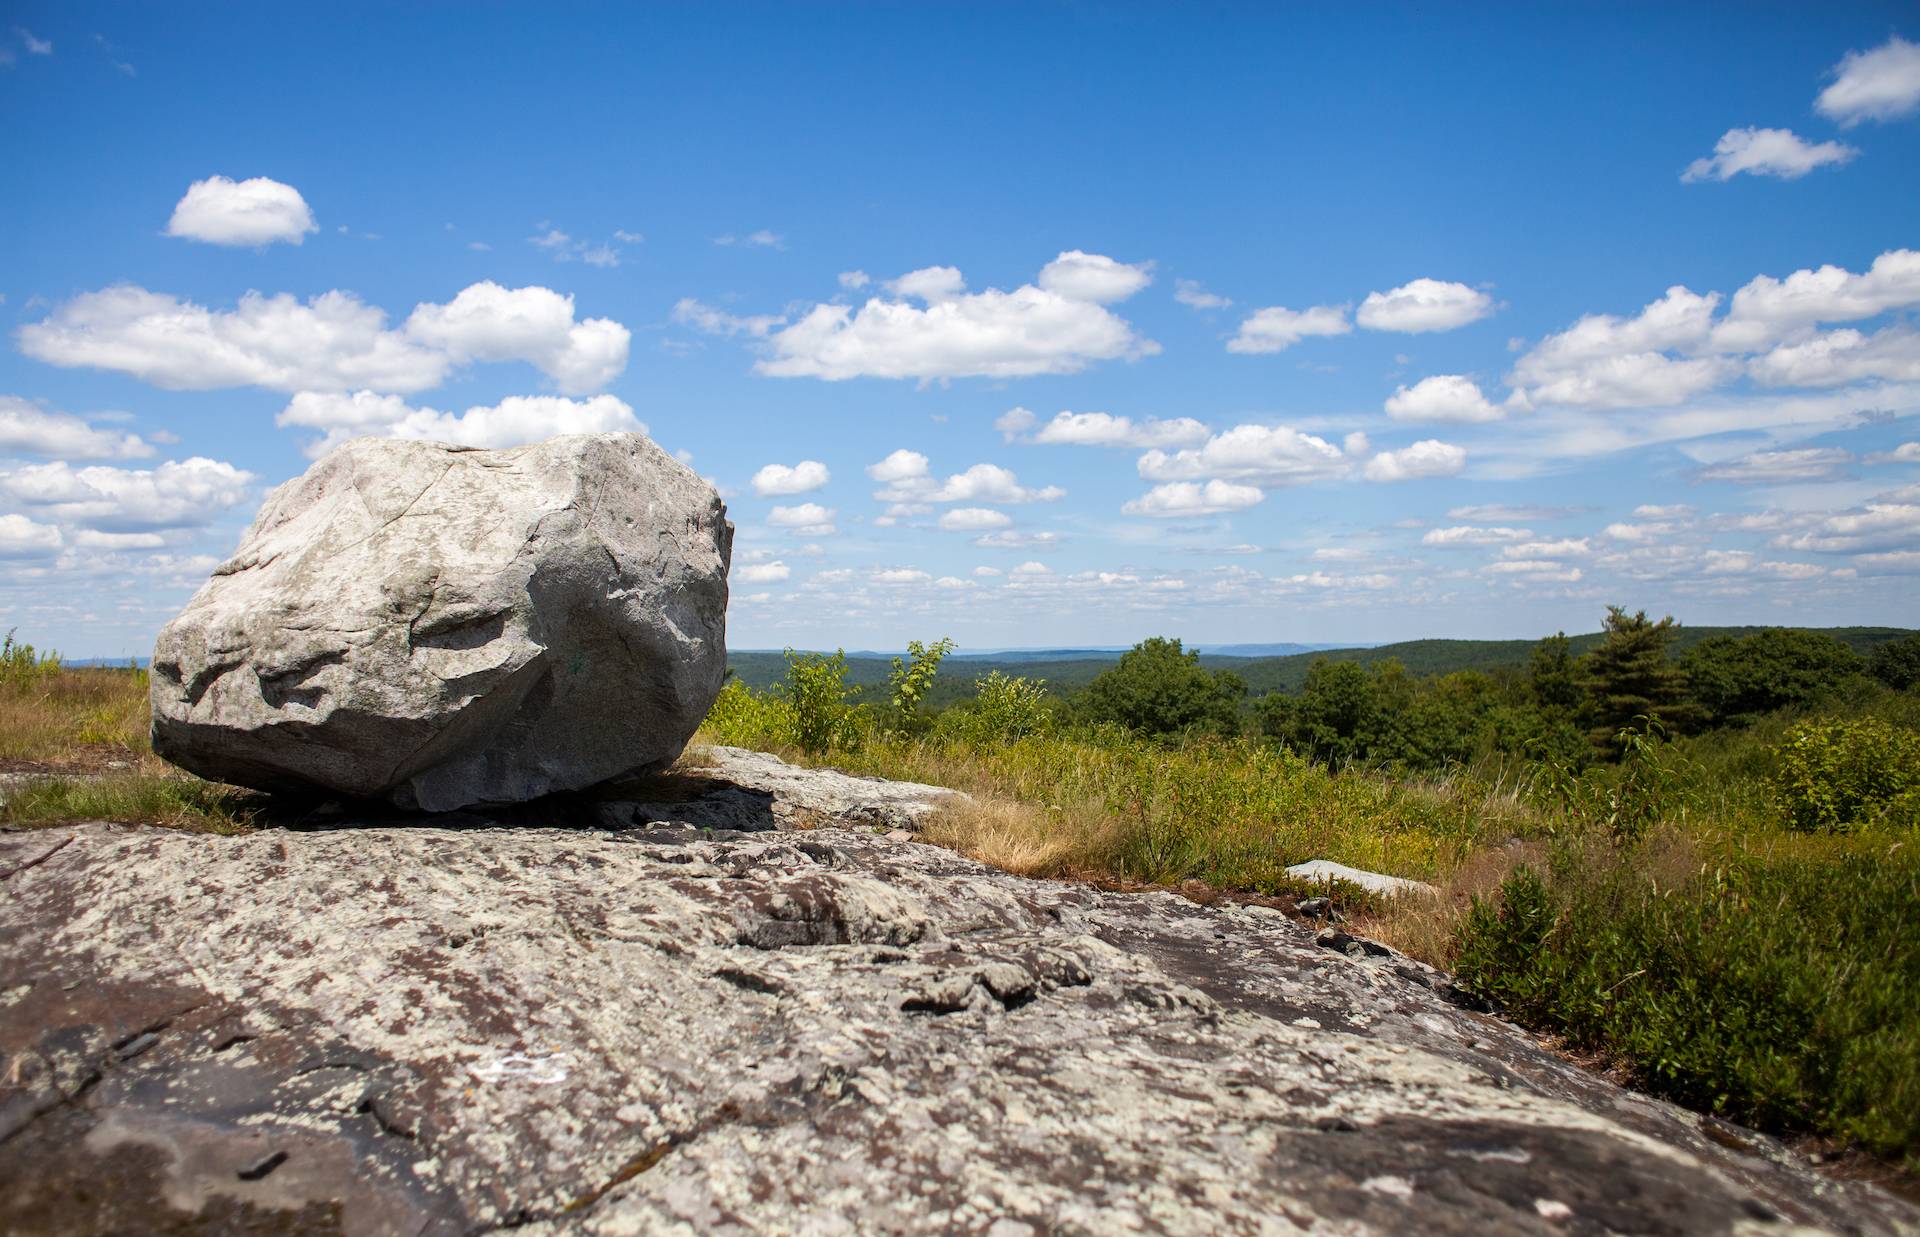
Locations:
{"points": [[444, 626], [674, 1030]]}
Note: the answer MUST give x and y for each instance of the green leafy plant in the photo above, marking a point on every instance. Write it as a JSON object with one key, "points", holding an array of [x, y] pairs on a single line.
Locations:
{"points": [[816, 691], [909, 681], [20, 663], [741, 717], [1004, 709], [1834, 775], [1644, 788]]}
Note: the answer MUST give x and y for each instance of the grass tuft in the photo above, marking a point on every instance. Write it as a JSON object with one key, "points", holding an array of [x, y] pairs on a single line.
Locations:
{"points": [[175, 802]]}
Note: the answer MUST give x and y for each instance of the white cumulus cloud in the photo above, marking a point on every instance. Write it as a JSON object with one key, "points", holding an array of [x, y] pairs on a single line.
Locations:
{"points": [[765, 573], [1423, 305], [959, 334], [908, 482], [1881, 84], [803, 520], [333, 342], [779, 479], [487, 322], [24, 538], [515, 421], [26, 429], [1427, 458], [1181, 499], [1100, 429], [1264, 455], [1605, 361], [1276, 327], [1765, 152], [901, 465], [220, 211], [973, 519], [1442, 397], [1767, 309], [175, 494], [1093, 277], [1832, 358]]}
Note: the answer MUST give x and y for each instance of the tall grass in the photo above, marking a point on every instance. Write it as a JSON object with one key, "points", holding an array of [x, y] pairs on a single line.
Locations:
{"points": [[1101, 801], [51, 713]]}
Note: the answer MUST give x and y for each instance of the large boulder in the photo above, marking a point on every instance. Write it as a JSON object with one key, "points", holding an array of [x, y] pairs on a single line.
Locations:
{"points": [[444, 626]]}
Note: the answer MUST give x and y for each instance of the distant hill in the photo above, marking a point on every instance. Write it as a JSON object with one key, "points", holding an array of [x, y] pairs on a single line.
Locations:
{"points": [[1269, 650], [1067, 670]]}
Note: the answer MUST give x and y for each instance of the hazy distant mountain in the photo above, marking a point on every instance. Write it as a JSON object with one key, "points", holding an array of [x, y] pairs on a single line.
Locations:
{"points": [[1269, 650]]}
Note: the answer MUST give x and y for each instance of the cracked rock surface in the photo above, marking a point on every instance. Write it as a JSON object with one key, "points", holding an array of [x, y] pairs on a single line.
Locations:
{"points": [[661, 1029]]}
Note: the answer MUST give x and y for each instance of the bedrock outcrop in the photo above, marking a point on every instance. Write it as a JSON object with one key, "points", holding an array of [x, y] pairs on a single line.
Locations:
{"points": [[660, 1028], [444, 626]]}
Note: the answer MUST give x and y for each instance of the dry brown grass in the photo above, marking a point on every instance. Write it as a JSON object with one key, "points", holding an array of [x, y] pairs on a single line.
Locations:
{"points": [[1016, 837], [1425, 926]]}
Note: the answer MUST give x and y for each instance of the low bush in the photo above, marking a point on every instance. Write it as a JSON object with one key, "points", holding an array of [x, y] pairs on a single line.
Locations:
{"points": [[1835, 774], [742, 717], [21, 664], [816, 693], [1004, 708], [1778, 989]]}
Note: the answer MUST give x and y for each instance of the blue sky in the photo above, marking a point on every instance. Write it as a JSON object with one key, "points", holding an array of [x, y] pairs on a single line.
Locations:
{"points": [[1372, 323]]}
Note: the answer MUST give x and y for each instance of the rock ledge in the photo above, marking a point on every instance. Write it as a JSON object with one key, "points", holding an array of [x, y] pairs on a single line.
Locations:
{"points": [[659, 1028]]}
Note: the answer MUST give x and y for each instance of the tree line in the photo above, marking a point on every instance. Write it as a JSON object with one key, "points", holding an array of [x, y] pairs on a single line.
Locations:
{"points": [[1573, 709]]}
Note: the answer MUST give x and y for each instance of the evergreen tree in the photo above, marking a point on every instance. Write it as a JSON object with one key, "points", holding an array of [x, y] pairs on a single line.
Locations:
{"points": [[1629, 676], [1553, 678]]}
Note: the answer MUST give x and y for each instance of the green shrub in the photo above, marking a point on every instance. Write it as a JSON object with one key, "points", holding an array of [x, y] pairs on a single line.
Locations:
{"points": [[1781, 991], [1650, 784], [908, 683], [816, 691], [1004, 708], [21, 664], [1837, 774], [741, 717]]}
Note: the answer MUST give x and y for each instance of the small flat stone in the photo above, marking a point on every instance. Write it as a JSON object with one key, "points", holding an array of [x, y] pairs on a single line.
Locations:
{"points": [[1321, 870]]}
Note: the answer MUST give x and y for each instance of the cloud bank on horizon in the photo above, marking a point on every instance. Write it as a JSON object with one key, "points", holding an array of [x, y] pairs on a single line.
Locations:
{"points": [[1145, 425]]}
